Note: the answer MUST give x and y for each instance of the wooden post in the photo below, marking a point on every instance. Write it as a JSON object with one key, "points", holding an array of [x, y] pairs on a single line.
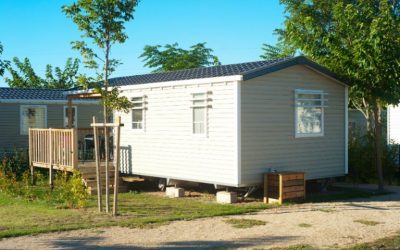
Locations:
{"points": [[304, 178], [265, 188], [50, 151], [116, 165], [30, 156], [69, 111], [280, 188], [97, 158], [74, 148]]}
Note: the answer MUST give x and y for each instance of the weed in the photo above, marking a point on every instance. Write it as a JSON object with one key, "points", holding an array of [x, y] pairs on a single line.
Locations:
{"points": [[245, 223], [368, 222], [304, 225]]}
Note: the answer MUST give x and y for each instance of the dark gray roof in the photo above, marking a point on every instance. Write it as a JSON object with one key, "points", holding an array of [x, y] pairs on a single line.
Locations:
{"points": [[32, 94], [247, 70]]}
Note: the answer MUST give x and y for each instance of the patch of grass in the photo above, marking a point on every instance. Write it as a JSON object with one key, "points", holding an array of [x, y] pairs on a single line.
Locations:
{"points": [[245, 223], [339, 193], [304, 225], [19, 216], [368, 222], [388, 243], [297, 247]]}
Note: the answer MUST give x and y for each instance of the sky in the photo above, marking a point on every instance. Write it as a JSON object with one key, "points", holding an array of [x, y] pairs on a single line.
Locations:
{"points": [[234, 29]]}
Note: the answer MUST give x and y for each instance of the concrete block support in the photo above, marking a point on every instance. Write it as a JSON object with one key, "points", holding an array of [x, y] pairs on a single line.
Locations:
{"points": [[174, 192], [226, 197]]}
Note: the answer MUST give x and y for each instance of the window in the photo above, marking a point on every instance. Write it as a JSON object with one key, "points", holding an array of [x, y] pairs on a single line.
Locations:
{"points": [[32, 117], [138, 112], [309, 113], [74, 117], [199, 115]]}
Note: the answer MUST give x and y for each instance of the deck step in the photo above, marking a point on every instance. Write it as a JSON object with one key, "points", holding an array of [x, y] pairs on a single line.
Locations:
{"points": [[84, 174], [103, 191], [122, 188], [88, 173]]}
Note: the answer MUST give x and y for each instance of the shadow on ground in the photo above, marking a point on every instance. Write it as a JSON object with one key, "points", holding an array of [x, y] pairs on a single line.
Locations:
{"points": [[94, 243]]}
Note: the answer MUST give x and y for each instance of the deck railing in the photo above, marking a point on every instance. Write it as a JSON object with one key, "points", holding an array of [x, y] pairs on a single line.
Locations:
{"points": [[62, 148], [57, 148]]}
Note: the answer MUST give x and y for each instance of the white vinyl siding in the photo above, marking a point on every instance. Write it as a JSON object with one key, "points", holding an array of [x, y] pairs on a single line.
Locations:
{"points": [[32, 116], [168, 148], [268, 137], [74, 116]]}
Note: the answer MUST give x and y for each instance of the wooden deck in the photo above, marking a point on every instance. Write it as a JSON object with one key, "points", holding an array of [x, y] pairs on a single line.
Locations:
{"points": [[68, 150]]}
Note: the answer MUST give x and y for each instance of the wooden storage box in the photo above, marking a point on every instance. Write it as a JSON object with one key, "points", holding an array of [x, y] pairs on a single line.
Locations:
{"points": [[281, 186]]}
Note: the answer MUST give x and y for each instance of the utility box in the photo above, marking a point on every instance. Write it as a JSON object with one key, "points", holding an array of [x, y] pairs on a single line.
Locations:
{"points": [[174, 192], [282, 186], [226, 197]]}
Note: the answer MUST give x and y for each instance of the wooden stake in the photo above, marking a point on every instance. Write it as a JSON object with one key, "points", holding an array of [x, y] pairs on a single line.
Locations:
{"points": [[97, 158], [116, 165], [106, 150], [30, 156]]}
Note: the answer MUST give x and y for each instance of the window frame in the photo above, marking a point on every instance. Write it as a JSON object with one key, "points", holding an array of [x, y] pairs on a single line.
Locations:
{"points": [[65, 112], [206, 106], [21, 107], [322, 105], [143, 108]]}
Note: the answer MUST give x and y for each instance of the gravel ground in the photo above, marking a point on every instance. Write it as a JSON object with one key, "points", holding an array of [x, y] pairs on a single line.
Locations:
{"points": [[331, 225]]}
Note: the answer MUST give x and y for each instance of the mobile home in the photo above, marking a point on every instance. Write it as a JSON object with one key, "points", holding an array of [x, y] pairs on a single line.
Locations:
{"points": [[227, 125], [22, 109]]}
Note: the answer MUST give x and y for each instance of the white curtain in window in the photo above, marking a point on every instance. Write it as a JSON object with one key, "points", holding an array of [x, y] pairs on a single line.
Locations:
{"points": [[309, 120], [137, 112], [198, 120], [32, 117], [199, 113]]}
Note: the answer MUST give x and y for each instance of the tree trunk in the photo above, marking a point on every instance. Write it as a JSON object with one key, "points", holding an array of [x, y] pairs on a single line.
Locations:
{"points": [[378, 143], [105, 117], [368, 119]]}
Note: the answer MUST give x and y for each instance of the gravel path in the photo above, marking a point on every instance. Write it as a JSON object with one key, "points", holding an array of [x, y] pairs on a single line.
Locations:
{"points": [[330, 225]]}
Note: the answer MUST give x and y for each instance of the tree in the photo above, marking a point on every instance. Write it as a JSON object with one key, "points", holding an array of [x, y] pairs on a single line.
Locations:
{"points": [[3, 64], [102, 21], [62, 79], [275, 52], [357, 39], [24, 76], [171, 57]]}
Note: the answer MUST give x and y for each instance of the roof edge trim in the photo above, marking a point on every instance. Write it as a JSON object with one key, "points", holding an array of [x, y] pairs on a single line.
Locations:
{"points": [[187, 82], [299, 60], [38, 101]]}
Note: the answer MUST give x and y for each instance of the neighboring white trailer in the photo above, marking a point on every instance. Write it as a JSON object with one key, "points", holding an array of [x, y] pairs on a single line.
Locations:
{"points": [[227, 125], [393, 125]]}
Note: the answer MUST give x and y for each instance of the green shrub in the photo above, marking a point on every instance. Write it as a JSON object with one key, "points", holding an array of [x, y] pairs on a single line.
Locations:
{"points": [[70, 189], [15, 162], [362, 160]]}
